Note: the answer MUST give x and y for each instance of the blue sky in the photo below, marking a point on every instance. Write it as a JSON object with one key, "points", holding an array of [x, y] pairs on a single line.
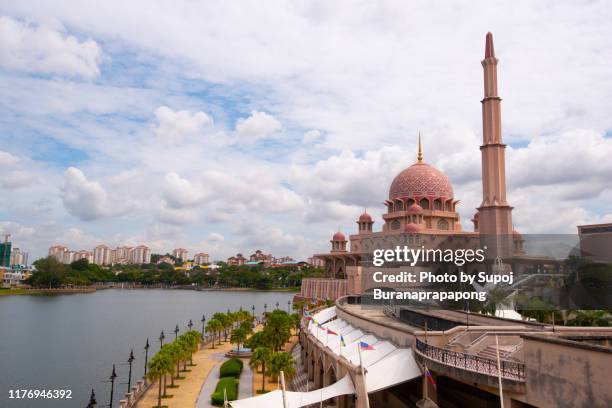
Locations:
{"points": [[228, 129]]}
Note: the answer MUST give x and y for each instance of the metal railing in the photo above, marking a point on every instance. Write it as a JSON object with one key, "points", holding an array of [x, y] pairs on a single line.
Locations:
{"points": [[510, 370]]}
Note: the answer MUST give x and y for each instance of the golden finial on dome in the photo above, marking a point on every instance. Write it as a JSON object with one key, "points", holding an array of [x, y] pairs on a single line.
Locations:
{"points": [[420, 156]]}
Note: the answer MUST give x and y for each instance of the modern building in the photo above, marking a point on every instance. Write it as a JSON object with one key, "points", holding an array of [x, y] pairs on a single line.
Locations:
{"points": [[201, 258], [596, 242], [180, 254], [139, 255]]}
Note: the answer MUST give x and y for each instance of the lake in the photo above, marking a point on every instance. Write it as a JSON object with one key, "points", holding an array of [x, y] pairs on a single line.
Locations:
{"points": [[71, 341]]}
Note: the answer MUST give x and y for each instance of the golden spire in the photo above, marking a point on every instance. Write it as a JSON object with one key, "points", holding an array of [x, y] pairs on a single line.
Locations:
{"points": [[420, 156]]}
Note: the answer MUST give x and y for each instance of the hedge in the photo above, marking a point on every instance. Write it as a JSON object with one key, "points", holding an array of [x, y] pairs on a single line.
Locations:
{"points": [[231, 368], [231, 386]]}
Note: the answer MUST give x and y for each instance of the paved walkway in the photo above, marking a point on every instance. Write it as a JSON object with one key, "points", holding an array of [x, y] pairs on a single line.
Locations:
{"points": [[244, 388]]}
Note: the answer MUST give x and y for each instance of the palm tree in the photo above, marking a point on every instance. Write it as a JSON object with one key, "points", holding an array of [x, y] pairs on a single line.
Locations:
{"points": [[260, 357], [238, 337], [213, 326], [225, 321], [158, 366], [172, 351], [281, 362]]}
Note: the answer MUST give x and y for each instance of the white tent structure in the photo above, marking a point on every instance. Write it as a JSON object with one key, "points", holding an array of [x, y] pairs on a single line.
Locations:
{"points": [[385, 366]]}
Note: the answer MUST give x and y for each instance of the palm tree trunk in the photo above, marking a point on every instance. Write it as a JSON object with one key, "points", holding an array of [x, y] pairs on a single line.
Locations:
{"points": [[213, 342], [263, 373], [165, 384], [159, 393]]}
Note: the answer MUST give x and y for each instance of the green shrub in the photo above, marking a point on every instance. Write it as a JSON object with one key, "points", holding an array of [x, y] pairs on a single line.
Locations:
{"points": [[231, 386], [231, 368]]}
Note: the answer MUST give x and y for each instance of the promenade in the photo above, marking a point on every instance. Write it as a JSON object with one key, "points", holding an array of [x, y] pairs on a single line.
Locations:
{"points": [[188, 392]]}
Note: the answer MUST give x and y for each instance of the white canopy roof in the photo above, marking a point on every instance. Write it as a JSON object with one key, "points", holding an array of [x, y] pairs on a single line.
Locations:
{"points": [[297, 399], [386, 365]]}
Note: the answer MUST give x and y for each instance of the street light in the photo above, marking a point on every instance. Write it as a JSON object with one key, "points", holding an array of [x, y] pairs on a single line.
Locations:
{"points": [[276, 305], [228, 311], [176, 332], [253, 309], [203, 324], [289, 306], [241, 308], [146, 348], [92, 400], [190, 324], [161, 339], [112, 381], [130, 361], [265, 308]]}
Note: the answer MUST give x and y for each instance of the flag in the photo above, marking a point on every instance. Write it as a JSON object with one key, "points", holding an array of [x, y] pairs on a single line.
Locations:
{"points": [[342, 341], [365, 346], [309, 318], [331, 332], [430, 378]]}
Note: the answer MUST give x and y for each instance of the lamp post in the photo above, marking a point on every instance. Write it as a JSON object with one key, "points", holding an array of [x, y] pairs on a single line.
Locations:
{"points": [[253, 309], [228, 311], [161, 339], [289, 306], [146, 348], [176, 332], [130, 361], [190, 324], [112, 381], [241, 308], [203, 324], [92, 400], [277, 305], [265, 308]]}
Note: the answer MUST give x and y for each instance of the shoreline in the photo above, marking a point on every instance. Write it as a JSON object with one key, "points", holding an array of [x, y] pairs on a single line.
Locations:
{"points": [[93, 289]]}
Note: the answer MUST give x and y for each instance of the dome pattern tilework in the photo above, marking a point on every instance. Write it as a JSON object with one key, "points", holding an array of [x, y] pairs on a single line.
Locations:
{"points": [[421, 180]]}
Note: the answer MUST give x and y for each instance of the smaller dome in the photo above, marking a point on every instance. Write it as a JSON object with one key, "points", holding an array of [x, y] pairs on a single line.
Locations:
{"points": [[365, 217], [338, 236], [412, 228], [415, 208]]}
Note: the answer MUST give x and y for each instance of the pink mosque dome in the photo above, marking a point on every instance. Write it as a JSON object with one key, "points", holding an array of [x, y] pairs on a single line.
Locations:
{"points": [[338, 236], [421, 180], [415, 208], [365, 217], [412, 228]]}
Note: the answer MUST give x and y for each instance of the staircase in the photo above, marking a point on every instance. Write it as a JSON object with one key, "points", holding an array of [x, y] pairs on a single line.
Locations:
{"points": [[490, 352]]}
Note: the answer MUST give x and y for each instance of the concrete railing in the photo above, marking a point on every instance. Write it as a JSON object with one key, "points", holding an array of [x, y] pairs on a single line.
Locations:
{"points": [[137, 391]]}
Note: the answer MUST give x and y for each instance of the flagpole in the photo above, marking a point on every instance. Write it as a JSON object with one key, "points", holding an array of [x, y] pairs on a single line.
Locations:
{"points": [[426, 385], [365, 387], [499, 377], [282, 378]]}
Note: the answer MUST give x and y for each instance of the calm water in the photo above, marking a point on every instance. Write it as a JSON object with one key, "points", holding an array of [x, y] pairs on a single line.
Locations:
{"points": [[72, 341]]}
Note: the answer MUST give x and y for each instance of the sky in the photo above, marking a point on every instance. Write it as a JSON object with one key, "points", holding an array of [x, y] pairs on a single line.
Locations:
{"points": [[227, 127]]}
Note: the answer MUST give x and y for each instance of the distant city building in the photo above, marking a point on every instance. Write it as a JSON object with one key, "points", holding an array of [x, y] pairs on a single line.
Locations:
{"points": [[165, 259], [5, 253], [102, 255], [180, 254], [139, 255], [284, 260], [18, 257], [316, 262], [260, 257], [237, 260], [595, 242], [201, 258]]}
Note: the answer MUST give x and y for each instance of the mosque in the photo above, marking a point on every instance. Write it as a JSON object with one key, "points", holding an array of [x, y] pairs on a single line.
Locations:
{"points": [[422, 208]]}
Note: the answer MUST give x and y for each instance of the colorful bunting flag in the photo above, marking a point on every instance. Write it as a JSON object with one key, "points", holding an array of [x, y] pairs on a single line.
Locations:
{"points": [[430, 378], [365, 346], [342, 341]]}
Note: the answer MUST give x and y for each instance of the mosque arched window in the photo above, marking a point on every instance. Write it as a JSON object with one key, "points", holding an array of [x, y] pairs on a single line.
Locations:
{"points": [[395, 225], [424, 203], [442, 225], [399, 206], [437, 204], [410, 202], [448, 206]]}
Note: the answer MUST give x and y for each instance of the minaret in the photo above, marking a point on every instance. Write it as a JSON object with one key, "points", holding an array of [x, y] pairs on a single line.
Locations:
{"points": [[495, 215]]}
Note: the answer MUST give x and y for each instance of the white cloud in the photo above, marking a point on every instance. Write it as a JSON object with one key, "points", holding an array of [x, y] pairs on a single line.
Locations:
{"points": [[46, 49], [88, 200], [175, 125], [259, 125], [214, 237], [312, 136]]}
